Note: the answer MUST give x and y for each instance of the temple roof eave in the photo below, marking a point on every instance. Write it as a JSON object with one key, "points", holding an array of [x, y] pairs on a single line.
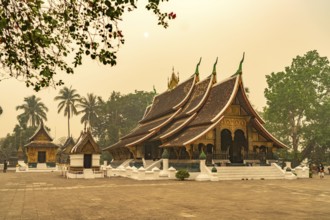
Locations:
{"points": [[83, 139], [202, 101], [41, 127], [172, 132], [232, 97], [162, 105], [123, 143], [41, 144], [141, 139], [204, 132], [251, 109], [167, 121], [262, 129], [187, 96], [188, 136]]}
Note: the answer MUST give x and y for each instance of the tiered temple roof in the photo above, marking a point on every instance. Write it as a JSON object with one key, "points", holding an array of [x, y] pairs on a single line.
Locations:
{"points": [[86, 144], [41, 138], [183, 114]]}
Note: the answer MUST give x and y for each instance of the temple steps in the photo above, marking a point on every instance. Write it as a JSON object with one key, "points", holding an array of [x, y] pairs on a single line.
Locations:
{"points": [[254, 172]]}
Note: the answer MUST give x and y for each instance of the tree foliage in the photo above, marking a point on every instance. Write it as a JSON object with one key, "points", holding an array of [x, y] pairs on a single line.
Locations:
{"points": [[119, 115], [10, 143], [298, 103], [40, 38], [69, 99], [33, 112], [90, 109]]}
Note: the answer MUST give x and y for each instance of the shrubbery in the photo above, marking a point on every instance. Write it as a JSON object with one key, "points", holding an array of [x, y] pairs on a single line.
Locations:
{"points": [[182, 174]]}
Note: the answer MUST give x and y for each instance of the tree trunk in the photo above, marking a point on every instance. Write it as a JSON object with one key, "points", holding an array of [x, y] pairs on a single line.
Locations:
{"points": [[68, 124], [307, 151]]}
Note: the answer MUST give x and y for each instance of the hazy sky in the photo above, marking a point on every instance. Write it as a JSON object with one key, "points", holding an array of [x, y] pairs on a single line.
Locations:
{"points": [[271, 32]]}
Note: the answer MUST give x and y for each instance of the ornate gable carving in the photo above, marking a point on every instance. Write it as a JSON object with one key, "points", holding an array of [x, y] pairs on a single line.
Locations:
{"points": [[87, 148], [41, 136], [233, 124]]}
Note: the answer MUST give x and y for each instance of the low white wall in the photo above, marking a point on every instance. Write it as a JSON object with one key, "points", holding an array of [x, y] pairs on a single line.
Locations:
{"points": [[302, 172], [141, 173]]}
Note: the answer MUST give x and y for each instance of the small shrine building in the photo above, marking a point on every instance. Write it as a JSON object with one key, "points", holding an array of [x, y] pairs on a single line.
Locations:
{"points": [[41, 151], [200, 115], [85, 154]]}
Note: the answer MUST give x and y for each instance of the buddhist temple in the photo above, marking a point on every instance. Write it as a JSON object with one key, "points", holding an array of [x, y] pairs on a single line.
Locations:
{"points": [[200, 116], [85, 154], [41, 151]]}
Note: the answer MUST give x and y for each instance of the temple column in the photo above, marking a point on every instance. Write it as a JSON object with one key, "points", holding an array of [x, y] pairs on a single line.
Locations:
{"points": [[250, 138], [217, 141]]}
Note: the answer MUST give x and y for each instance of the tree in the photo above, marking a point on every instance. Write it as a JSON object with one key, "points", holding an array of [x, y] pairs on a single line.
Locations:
{"points": [[294, 98], [89, 110], [68, 103], [37, 37], [19, 137], [120, 114], [1, 111], [33, 112]]}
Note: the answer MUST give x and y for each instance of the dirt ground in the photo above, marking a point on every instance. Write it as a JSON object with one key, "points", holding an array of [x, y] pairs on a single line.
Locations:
{"points": [[50, 196]]}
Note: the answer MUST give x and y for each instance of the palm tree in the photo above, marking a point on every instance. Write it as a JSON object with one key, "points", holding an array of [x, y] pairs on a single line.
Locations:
{"points": [[90, 106], [34, 111], [68, 99]]}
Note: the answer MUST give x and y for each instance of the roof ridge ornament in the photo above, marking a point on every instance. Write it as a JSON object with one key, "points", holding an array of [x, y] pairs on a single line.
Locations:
{"points": [[240, 71], [214, 72], [154, 88], [173, 81], [197, 67], [214, 67], [197, 70]]}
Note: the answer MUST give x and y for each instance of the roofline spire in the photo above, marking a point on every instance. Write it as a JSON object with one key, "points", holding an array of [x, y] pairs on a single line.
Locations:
{"points": [[214, 67], [197, 66], [214, 72], [239, 71]]}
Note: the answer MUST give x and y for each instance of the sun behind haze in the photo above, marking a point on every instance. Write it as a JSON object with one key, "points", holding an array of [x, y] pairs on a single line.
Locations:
{"points": [[270, 33]]}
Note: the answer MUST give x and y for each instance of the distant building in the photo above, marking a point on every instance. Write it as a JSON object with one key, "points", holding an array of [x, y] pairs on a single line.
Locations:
{"points": [[41, 151], [63, 153], [196, 116]]}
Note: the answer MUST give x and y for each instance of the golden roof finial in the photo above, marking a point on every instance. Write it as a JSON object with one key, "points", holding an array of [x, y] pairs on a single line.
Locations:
{"points": [[174, 81]]}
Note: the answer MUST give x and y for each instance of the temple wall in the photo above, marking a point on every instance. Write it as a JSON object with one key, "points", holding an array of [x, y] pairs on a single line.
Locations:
{"points": [[96, 160], [217, 140], [77, 160], [32, 154]]}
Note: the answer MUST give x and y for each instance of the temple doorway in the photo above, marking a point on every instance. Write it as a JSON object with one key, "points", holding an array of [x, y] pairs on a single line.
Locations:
{"points": [[147, 152], [239, 147], [152, 150], [41, 156], [226, 140], [226, 143], [87, 161], [262, 154]]}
